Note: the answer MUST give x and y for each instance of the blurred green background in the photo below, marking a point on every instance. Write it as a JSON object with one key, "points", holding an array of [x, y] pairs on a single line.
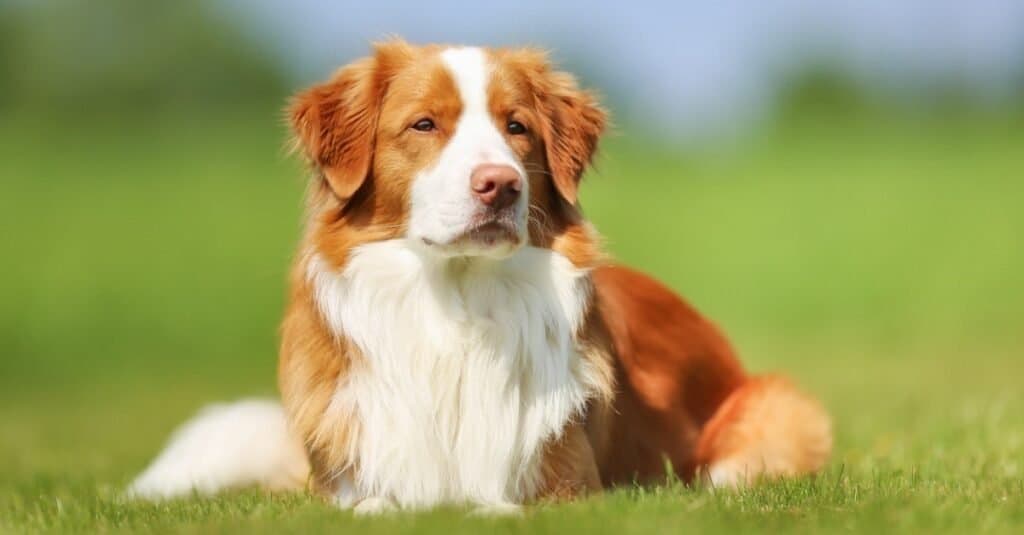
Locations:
{"points": [[872, 247]]}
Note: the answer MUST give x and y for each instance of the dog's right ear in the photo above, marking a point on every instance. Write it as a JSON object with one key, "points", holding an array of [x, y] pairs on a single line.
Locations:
{"points": [[334, 122]]}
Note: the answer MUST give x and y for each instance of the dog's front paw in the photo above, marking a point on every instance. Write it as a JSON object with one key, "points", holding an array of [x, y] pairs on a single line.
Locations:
{"points": [[498, 509], [374, 505]]}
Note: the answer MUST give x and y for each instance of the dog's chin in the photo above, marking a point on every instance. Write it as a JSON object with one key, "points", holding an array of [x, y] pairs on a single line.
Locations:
{"points": [[496, 238]]}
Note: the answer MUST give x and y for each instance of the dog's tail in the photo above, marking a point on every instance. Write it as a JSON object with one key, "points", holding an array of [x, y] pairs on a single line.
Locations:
{"points": [[227, 445], [765, 429]]}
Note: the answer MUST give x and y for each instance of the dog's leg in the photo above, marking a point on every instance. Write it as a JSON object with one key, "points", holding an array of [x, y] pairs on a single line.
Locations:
{"points": [[343, 492], [568, 469]]}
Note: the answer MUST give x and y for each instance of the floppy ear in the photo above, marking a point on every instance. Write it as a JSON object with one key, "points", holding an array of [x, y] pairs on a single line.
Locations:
{"points": [[572, 122], [334, 122]]}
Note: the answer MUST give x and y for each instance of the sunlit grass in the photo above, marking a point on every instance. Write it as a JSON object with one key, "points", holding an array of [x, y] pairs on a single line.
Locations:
{"points": [[144, 268]]}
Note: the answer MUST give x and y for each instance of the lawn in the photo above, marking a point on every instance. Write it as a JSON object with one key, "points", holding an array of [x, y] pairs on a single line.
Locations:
{"points": [[880, 262]]}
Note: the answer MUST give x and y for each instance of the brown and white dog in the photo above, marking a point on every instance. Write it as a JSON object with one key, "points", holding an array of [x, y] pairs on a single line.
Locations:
{"points": [[455, 334]]}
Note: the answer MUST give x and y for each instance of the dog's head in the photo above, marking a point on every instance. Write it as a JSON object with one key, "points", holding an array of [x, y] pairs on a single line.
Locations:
{"points": [[463, 151]]}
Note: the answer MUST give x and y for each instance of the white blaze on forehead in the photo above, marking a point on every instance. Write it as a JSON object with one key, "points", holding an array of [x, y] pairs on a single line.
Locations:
{"points": [[475, 133], [471, 71]]}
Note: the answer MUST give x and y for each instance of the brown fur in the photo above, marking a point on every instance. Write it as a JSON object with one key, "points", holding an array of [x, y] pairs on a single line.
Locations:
{"points": [[568, 470], [673, 369], [312, 363], [667, 371], [766, 428]]}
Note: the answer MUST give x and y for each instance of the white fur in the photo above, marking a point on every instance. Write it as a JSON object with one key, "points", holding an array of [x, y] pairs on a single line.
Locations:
{"points": [[373, 506], [227, 445], [729, 474], [443, 206], [469, 366]]}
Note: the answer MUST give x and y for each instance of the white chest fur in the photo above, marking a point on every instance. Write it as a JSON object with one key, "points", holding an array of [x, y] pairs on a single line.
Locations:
{"points": [[469, 368]]}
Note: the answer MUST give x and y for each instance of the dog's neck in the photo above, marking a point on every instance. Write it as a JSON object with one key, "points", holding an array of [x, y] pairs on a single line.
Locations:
{"points": [[466, 367]]}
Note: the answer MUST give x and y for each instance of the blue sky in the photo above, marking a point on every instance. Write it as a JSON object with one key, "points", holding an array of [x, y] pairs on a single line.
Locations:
{"points": [[687, 66]]}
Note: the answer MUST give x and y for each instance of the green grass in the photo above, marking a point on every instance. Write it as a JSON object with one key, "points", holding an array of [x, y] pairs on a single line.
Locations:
{"points": [[881, 264]]}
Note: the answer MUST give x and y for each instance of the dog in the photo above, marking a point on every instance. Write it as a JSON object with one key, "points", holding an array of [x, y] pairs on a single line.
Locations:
{"points": [[455, 334]]}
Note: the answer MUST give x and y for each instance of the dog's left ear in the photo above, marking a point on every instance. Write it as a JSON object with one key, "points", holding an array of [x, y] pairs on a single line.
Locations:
{"points": [[572, 121]]}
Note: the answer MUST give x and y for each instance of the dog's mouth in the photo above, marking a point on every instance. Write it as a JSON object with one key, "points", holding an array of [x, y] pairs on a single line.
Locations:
{"points": [[482, 236], [489, 233]]}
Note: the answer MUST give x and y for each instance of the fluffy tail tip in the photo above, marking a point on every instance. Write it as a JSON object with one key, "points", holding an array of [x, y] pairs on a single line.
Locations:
{"points": [[226, 445], [765, 429]]}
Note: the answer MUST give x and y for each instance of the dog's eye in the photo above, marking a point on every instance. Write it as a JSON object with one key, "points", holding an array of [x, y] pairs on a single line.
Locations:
{"points": [[515, 128], [423, 125]]}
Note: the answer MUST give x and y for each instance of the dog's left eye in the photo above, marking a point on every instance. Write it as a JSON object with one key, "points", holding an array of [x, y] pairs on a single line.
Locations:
{"points": [[424, 125], [515, 128]]}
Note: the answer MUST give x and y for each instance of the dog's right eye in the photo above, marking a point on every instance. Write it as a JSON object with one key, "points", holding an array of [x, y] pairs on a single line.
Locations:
{"points": [[423, 125]]}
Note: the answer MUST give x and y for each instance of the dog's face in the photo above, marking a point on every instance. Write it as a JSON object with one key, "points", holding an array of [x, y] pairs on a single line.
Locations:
{"points": [[464, 151]]}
